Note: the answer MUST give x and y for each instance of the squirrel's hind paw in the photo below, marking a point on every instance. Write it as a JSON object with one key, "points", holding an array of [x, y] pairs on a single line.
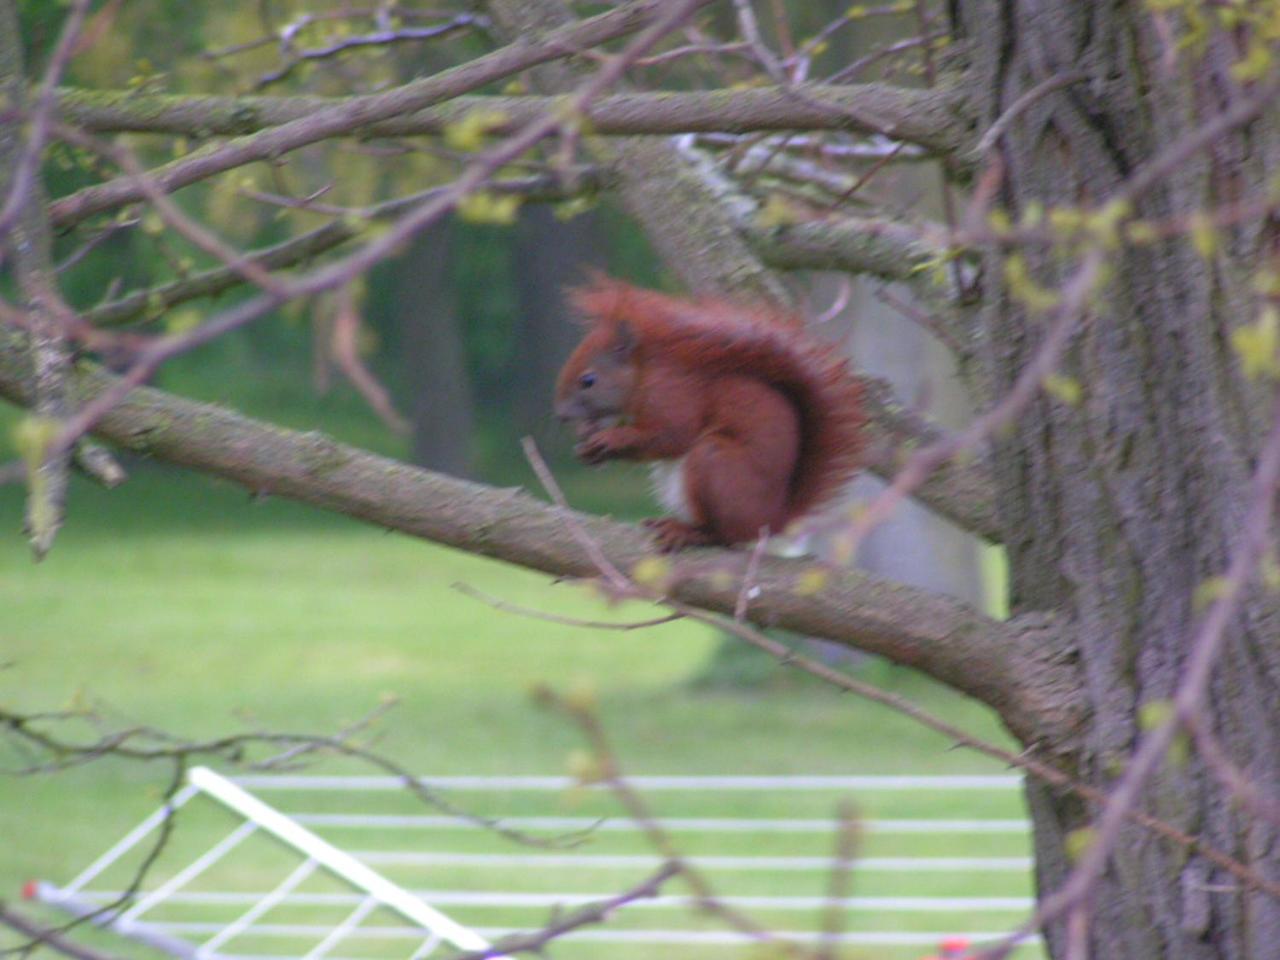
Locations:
{"points": [[672, 534]]}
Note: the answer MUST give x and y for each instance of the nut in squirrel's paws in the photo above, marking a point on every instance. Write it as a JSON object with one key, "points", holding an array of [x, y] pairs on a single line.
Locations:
{"points": [[672, 534]]}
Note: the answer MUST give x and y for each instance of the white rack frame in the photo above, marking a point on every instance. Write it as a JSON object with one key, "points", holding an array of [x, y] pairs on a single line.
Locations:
{"points": [[257, 815], [371, 889]]}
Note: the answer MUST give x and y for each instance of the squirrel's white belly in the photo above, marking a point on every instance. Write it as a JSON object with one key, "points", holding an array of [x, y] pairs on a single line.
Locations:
{"points": [[667, 477]]}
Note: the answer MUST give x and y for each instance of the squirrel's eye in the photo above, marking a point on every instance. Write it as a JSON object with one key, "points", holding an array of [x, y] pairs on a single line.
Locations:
{"points": [[587, 381]]}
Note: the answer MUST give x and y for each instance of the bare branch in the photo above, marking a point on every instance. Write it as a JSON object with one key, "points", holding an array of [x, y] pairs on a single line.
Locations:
{"points": [[1019, 106], [97, 463], [1244, 788], [23, 186], [963, 491], [346, 351], [358, 113], [38, 934], [294, 58], [152, 302], [593, 913], [606, 771], [508, 607], [928, 119], [58, 750], [877, 246]]}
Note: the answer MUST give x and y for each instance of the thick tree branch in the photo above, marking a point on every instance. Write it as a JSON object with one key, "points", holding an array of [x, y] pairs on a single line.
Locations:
{"points": [[1024, 674], [357, 113], [879, 247], [927, 118]]}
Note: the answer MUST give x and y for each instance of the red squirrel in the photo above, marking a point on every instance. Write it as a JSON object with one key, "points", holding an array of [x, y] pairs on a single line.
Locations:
{"points": [[754, 422]]}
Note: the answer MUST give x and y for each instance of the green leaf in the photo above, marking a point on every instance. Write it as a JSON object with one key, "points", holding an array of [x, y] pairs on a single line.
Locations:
{"points": [[1257, 345], [470, 133], [1064, 388]]}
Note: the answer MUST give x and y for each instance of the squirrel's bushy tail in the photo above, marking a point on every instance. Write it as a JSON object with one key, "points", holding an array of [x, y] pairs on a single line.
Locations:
{"points": [[718, 337]]}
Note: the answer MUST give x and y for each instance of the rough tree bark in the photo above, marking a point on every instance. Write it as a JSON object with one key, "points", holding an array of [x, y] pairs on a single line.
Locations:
{"points": [[1117, 508]]}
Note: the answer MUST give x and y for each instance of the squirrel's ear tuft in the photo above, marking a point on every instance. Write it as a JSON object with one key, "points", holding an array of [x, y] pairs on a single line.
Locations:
{"points": [[600, 299], [623, 343]]}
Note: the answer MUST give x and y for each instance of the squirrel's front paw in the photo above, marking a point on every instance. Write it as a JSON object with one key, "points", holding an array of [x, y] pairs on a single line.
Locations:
{"points": [[603, 446], [593, 450]]}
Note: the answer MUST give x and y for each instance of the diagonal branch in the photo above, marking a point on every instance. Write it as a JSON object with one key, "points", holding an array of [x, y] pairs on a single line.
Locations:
{"points": [[963, 491], [1023, 673], [150, 302], [927, 118]]}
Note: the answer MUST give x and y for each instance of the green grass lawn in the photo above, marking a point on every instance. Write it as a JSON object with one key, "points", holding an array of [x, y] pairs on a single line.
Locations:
{"points": [[177, 602]]}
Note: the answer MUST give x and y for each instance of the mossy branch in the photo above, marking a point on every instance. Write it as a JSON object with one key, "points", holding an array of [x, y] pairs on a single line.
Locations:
{"points": [[927, 118]]}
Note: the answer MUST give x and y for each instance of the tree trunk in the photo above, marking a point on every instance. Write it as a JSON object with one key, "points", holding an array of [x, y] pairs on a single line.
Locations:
{"points": [[1119, 507], [435, 362], [550, 256]]}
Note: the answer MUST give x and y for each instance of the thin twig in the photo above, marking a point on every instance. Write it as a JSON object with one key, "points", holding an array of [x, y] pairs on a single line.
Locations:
{"points": [[609, 773], [750, 589], [378, 38], [1235, 780], [26, 166], [345, 344], [617, 579], [1071, 313], [1020, 105], [145, 743], [37, 933], [589, 915], [847, 836], [507, 607]]}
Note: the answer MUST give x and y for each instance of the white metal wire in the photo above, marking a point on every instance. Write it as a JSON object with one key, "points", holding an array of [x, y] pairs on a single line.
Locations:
{"points": [[427, 948], [260, 907], [389, 821], [348, 928], [190, 872], [471, 898], [728, 863], [672, 937], [478, 899], [868, 783], [131, 839]]}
